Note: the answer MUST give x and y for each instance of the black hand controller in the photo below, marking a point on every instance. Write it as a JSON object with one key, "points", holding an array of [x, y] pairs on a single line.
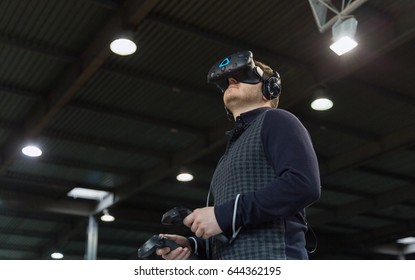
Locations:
{"points": [[156, 242], [176, 215]]}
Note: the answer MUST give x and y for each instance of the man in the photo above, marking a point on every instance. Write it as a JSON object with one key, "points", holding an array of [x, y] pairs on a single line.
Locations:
{"points": [[264, 181]]}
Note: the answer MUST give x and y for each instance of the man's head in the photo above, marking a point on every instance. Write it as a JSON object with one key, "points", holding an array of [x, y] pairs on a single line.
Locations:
{"points": [[242, 68]]}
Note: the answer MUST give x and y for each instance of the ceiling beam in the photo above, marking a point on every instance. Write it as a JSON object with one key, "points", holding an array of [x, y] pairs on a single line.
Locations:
{"points": [[76, 164], [387, 173], [379, 201], [226, 40], [338, 127], [20, 180], [26, 46], [105, 143], [364, 241], [171, 84], [108, 110], [392, 142], [40, 203]]}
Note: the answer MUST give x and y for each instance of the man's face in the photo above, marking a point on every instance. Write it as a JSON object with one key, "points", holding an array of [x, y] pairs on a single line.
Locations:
{"points": [[241, 94]]}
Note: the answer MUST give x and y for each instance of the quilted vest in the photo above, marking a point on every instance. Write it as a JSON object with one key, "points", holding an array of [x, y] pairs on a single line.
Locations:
{"points": [[242, 169]]}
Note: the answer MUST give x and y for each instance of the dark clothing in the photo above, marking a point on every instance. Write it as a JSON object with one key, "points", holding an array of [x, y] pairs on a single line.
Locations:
{"points": [[275, 177], [244, 168]]}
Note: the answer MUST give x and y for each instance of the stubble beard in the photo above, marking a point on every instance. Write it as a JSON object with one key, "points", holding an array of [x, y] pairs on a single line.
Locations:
{"points": [[238, 100]]}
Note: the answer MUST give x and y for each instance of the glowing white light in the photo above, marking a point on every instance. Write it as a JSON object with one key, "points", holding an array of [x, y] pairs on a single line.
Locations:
{"points": [[123, 47], [184, 177], [343, 45], [406, 240], [321, 104], [87, 193], [57, 255], [107, 217], [32, 151]]}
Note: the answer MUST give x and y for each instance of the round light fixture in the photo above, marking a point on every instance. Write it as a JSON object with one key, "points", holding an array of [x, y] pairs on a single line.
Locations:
{"points": [[56, 255], [107, 217], [184, 177], [321, 104], [32, 151], [123, 46]]}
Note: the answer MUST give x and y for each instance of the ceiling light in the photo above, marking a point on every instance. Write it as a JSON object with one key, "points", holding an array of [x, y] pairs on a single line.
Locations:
{"points": [[321, 104], [56, 255], [343, 35], [407, 240], [88, 193], [184, 177], [106, 217], [123, 46], [32, 151]]}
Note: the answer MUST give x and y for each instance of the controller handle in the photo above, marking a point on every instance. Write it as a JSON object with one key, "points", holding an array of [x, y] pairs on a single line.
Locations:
{"points": [[176, 215], [155, 242]]}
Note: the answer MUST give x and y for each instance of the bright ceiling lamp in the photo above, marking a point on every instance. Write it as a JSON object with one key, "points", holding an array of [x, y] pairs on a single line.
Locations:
{"points": [[88, 194], [343, 36], [32, 151], [123, 46], [107, 217], [321, 104], [407, 240], [56, 256], [321, 101], [184, 177]]}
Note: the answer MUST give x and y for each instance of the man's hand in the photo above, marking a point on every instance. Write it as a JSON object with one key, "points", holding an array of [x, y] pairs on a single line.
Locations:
{"points": [[180, 253], [202, 221]]}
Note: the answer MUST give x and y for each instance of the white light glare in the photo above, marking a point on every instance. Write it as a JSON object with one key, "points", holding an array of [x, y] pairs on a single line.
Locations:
{"points": [[107, 217], [32, 151], [184, 177], [343, 45], [344, 31], [123, 47], [56, 255], [87, 193], [321, 104], [406, 240]]}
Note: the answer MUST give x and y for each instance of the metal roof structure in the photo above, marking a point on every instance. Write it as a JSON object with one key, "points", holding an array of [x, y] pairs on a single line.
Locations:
{"points": [[128, 124]]}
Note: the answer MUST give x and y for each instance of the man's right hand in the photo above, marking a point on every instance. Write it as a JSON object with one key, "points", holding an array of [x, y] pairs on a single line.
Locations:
{"points": [[181, 253]]}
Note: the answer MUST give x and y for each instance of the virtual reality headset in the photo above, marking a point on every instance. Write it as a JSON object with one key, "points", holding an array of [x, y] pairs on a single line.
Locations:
{"points": [[240, 66]]}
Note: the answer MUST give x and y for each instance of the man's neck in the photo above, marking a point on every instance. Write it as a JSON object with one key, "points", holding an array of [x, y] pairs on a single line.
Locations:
{"points": [[239, 111]]}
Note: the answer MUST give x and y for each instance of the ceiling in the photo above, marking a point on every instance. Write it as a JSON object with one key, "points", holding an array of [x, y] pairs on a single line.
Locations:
{"points": [[128, 124]]}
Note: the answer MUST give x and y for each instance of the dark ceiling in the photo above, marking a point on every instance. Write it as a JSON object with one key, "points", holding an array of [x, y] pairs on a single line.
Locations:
{"points": [[128, 124]]}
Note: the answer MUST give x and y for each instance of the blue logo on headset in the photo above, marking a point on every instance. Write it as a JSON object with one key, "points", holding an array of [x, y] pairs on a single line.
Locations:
{"points": [[224, 62]]}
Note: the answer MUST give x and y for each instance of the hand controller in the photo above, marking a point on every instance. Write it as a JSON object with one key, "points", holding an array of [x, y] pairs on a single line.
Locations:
{"points": [[176, 215], [155, 242]]}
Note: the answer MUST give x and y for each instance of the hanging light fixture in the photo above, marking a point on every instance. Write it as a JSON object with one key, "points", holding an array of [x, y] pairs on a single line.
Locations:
{"points": [[321, 102], [56, 255], [124, 44], [343, 25], [107, 217], [32, 151], [343, 36], [184, 177]]}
